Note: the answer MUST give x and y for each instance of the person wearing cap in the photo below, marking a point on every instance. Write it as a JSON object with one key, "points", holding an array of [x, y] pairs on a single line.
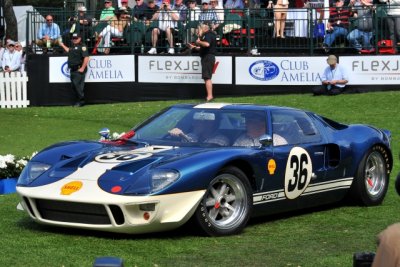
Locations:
{"points": [[256, 127], [48, 34], [82, 23], [107, 12], [334, 78], [115, 28], [206, 44], [360, 37], [204, 130], [209, 15], [78, 59], [338, 24], [11, 58], [167, 18], [124, 3]]}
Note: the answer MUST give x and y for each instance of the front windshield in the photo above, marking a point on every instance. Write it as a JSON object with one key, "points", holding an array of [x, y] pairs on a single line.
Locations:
{"points": [[197, 126]]}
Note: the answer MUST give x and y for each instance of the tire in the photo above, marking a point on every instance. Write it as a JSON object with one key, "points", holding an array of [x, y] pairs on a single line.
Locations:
{"points": [[397, 184], [227, 204], [372, 179]]}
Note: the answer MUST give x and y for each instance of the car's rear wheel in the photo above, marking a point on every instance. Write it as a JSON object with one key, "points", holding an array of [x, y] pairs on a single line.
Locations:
{"points": [[226, 206], [372, 179]]}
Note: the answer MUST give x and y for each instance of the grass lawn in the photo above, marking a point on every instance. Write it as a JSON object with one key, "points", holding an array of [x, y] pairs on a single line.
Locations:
{"points": [[320, 237]]}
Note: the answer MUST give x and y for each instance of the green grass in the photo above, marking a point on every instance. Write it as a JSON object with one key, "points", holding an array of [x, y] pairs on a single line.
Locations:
{"points": [[321, 237]]}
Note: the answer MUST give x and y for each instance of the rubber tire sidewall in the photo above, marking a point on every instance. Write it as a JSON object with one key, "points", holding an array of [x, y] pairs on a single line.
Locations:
{"points": [[202, 219]]}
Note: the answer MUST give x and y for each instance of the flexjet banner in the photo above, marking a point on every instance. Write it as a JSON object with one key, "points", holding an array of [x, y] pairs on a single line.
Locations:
{"points": [[100, 69], [372, 69], [162, 69], [280, 70]]}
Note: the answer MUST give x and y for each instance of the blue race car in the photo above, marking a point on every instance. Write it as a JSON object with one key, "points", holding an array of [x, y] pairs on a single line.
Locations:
{"points": [[216, 164]]}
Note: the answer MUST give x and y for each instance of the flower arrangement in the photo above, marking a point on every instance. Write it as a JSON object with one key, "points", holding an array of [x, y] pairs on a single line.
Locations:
{"points": [[12, 166]]}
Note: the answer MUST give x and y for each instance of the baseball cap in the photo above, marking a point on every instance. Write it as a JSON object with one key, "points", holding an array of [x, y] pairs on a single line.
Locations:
{"points": [[205, 1], [166, 1], [332, 59], [76, 35], [107, 1], [10, 42], [150, 1], [82, 8], [124, 1]]}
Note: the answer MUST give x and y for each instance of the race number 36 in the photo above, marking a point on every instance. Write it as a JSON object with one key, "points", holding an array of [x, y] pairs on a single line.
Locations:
{"points": [[298, 172]]}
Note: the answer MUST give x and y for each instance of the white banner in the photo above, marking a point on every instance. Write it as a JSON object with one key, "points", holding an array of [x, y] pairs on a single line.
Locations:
{"points": [[100, 69], [371, 70], [280, 70], [168, 69]]}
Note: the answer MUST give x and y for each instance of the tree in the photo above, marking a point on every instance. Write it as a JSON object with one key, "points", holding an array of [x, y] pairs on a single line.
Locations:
{"points": [[11, 20]]}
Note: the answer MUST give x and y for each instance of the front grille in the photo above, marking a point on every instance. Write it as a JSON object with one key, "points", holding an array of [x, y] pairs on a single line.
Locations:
{"points": [[72, 212]]}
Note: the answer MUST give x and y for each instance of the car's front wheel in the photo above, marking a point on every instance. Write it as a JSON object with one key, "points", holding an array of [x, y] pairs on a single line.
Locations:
{"points": [[226, 206], [372, 179]]}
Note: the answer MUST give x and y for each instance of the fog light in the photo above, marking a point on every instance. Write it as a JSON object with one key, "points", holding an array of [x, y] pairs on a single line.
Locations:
{"points": [[147, 207]]}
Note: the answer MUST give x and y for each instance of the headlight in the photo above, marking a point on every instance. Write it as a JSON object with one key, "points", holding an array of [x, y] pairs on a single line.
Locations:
{"points": [[163, 178], [32, 171]]}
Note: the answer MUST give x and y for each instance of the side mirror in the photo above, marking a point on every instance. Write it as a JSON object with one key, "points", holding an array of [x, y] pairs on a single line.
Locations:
{"points": [[105, 133], [265, 140]]}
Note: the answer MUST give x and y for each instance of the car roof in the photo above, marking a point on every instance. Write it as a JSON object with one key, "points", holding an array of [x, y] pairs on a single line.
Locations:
{"points": [[235, 106]]}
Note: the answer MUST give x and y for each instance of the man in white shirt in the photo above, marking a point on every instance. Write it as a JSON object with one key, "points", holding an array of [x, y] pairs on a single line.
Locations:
{"points": [[334, 78], [11, 58]]}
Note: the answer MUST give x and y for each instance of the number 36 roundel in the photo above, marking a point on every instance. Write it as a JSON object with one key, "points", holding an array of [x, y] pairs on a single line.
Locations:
{"points": [[298, 172]]}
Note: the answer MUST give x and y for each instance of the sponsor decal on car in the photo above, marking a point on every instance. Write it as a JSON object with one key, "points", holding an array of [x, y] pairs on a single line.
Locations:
{"points": [[271, 166], [71, 187]]}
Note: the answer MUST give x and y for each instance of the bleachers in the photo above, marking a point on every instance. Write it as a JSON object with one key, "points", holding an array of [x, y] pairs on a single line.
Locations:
{"points": [[241, 31]]}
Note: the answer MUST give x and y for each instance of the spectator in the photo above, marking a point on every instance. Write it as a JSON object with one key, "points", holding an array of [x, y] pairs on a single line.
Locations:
{"points": [[48, 34], [209, 15], [393, 21], [280, 14], [193, 19], [2, 50], [151, 10], [167, 20], [115, 28], [234, 4], [388, 253], [206, 44], [82, 23], [11, 58], [338, 24], [108, 11], [219, 10], [181, 8], [124, 4], [363, 11], [256, 127], [78, 58], [334, 78], [20, 49], [140, 10]]}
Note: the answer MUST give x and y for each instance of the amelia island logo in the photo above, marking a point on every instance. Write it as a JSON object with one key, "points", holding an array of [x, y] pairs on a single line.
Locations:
{"points": [[65, 69], [264, 70]]}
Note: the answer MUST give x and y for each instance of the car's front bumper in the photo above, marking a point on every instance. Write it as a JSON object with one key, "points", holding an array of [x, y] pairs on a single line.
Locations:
{"points": [[91, 208]]}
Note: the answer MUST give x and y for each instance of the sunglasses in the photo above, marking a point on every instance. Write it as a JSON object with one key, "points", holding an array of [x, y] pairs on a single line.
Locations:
{"points": [[49, 20], [11, 45]]}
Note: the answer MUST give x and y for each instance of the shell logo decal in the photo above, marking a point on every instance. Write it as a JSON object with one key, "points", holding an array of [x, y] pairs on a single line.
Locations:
{"points": [[71, 187], [271, 166]]}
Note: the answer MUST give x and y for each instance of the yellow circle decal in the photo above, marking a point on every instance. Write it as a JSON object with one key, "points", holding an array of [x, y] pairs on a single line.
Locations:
{"points": [[271, 166], [71, 187]]}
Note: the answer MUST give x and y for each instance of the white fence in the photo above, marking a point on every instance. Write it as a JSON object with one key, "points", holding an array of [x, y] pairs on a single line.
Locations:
{"points": [[13, 90]]}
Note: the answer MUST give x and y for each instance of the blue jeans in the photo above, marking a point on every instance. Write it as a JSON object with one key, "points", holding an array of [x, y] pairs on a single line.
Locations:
{"points": [[337, 32], [355, 36]]}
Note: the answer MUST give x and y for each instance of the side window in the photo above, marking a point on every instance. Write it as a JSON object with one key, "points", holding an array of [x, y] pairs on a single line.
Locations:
{"points": [[296, 127]]}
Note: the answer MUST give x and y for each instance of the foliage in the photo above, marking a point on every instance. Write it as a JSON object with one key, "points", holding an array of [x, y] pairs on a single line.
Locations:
{"points": [[12, 166]]}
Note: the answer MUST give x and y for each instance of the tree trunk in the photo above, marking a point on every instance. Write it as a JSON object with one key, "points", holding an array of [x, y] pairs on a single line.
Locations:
{"points": [[11, 21]]}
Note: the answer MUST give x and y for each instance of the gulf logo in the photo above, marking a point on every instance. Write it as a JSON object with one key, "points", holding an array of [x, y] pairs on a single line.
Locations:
{"points": [[264, 70]]}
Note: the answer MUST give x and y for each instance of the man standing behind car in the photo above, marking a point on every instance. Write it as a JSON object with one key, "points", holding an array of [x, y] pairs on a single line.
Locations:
{"points": [[78, 58], [334, 78], [206, 44]]}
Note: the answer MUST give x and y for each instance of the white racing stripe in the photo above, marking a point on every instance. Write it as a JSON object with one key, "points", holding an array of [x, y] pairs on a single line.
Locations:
{"points": [[212, 105], [276, 195]]}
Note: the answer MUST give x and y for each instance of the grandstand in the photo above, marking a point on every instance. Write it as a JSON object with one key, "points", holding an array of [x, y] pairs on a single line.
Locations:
{"points": [[241, 32]]}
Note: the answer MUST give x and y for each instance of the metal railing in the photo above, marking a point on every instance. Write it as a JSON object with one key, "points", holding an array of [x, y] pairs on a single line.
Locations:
{"points": [[241, 30]]}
